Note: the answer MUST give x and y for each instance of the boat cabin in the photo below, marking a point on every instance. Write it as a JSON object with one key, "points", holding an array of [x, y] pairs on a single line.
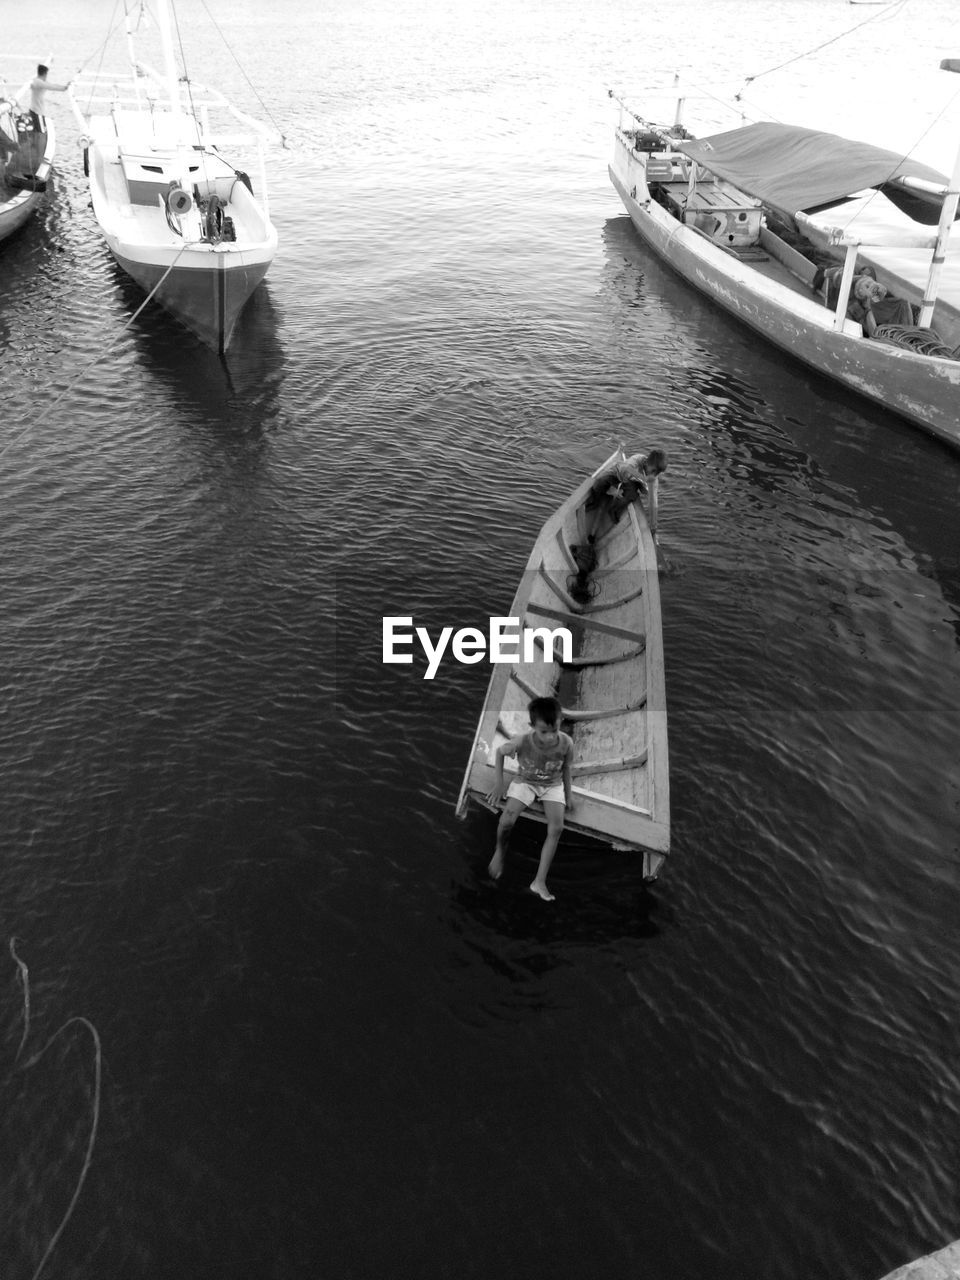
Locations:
{"points": [[149, 176]]}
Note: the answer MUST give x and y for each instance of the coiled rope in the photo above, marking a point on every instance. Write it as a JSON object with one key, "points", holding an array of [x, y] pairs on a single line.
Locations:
{"points": [[24, 975], [96, 360]]}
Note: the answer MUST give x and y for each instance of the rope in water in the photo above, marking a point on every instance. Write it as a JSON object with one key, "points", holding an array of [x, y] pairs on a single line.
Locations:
{"points": [[24, 974], [95, 361]]}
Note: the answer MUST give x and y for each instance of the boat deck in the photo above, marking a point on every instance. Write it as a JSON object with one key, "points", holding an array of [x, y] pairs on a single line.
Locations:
{"points": [[150, 222]]}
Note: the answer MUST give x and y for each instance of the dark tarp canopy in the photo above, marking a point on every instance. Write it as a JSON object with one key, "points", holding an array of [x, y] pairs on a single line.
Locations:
{"points": [[793, 169]]}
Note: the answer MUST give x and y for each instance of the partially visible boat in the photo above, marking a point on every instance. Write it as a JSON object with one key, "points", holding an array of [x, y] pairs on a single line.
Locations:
{"points": [[179, 218], [26, 158], [611, 686], [752, 216]]}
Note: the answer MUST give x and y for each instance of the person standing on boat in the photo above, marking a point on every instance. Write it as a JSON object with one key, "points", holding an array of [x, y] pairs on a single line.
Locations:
{"points": [[39, 86], [614, 490], [544, 756]]}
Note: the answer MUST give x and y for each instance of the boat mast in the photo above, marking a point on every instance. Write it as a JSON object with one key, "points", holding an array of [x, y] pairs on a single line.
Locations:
{"points": [[131, 48], [169, 62], [948, 211]]}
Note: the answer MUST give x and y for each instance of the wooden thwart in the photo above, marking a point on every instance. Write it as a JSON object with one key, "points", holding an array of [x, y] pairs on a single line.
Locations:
{"points": [[600, 713], [594, 624]]}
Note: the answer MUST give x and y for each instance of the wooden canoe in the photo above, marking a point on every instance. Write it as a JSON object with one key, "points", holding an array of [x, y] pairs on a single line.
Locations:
{"points": [[612, 688], [24, 175]]}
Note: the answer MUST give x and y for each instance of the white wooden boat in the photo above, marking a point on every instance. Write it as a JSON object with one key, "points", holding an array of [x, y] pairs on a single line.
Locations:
{"points": [[24, 172], [176, 214], [749, 215], [611, 689]]}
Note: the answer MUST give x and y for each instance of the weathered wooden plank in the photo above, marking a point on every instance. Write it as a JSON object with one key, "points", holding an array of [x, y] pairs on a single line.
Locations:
{"points": [[618, 765], [569, 713]]}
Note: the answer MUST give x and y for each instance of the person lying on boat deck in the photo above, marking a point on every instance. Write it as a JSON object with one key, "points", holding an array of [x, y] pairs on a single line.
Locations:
{"points": [[39, 87], [615, 489], [868, 303], [544, 756]]}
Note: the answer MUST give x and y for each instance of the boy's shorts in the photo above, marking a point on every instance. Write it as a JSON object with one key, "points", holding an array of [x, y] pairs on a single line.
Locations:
{"points": [[527, 792]]}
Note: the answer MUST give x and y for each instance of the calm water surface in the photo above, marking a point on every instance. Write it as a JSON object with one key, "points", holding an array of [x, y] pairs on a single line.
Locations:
{"points": [[330, 1047]]}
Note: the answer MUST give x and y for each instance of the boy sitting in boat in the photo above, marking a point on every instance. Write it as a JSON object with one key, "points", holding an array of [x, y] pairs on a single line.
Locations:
{"points": [[544, 756], [614, 490]]}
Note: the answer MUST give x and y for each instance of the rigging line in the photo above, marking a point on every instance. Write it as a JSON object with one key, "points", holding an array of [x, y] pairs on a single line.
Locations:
{"points": [[103, 54], [253, 87], [96, 359], [897, 4], [906, 156], [193, 105], [103, 47]]}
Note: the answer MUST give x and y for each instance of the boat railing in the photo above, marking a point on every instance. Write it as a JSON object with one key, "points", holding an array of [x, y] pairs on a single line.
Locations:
{"points": [[663, 101], [146, 90]]}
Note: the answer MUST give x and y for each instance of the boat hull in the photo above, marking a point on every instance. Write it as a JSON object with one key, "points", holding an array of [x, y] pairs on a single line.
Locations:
{"points": [[611, 686], [922, 389], [201, 279], [18, 206], [206, 299]]}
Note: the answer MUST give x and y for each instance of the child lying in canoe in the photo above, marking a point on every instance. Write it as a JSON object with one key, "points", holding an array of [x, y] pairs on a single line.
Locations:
{"points": [[544, 756]]}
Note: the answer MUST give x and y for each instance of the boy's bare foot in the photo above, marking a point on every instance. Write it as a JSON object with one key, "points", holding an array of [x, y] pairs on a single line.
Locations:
{"points": [[542, 891], [496, 866]]}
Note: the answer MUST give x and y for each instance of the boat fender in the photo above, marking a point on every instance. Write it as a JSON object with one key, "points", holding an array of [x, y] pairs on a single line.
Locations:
{"points": [[178, 200], [213, 221], [245, 179], [84, 144]]}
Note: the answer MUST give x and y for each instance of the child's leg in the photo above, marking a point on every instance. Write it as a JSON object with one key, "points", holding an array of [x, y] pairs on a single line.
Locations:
{"points": [[511, 812], [554, 811]]}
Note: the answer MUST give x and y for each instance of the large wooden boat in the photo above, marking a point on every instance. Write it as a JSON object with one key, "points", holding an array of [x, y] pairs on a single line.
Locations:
{"points": [[752, 216], [610, 685], [176, 214], [26, 158]]}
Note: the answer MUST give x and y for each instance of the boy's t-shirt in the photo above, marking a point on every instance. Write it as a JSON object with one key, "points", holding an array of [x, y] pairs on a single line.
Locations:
{"points": [[537, 765]]}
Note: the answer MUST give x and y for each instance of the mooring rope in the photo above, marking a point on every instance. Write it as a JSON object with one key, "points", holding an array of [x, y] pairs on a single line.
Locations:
{"points": [[897, 4], [98, 1075], [96, 359]]}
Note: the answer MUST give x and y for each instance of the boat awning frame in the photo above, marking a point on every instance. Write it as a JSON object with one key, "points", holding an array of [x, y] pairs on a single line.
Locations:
{"points": [[792, 169]]}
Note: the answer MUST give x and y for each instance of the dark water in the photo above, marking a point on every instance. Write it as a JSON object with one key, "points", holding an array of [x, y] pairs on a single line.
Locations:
{"points": [[329, 1046]]}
